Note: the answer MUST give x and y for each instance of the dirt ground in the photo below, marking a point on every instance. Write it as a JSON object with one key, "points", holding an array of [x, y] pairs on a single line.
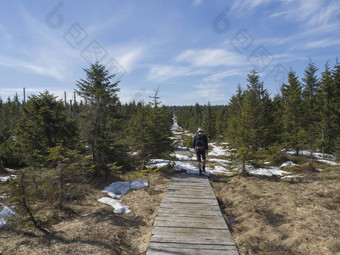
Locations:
{"points": [[272, 216], [94, 228]]}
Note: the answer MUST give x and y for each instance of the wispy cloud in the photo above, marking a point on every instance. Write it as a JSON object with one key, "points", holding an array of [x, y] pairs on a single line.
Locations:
{"points": [[160, 73], [217, 77], [248, 5], [46, 70], [44, 52], [206, 92], [128, 57], [310, 13], [211, 58], [318, 44]]}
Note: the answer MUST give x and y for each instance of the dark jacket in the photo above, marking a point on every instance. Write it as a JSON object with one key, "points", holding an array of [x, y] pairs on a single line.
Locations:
{"points": [[205, 140]]}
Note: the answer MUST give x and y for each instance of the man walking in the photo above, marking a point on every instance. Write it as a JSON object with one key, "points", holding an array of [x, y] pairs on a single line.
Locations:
{"points": [[200, 144]]}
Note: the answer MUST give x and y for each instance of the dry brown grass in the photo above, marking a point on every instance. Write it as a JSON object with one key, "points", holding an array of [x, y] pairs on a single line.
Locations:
{"points": [[271, 216], [93, 228]]}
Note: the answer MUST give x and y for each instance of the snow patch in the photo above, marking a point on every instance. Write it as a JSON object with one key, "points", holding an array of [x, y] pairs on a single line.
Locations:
{"points": [[317, 155], [158, 163], [271, 171], [7, 178], [175, 126], [137, 184], [181, 157], [218, 150], [116, 204], [219, 169], [132, 153], [329, 162], [291, 176], [223, 161], [117, 190], [288, 163], [5, 211]]}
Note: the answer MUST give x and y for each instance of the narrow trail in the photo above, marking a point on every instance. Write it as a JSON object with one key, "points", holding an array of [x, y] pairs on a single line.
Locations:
{"points": [[189, 220]]}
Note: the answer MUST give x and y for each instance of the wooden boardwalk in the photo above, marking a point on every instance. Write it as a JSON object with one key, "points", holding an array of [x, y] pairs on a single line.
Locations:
{"points": [[189, 220]]}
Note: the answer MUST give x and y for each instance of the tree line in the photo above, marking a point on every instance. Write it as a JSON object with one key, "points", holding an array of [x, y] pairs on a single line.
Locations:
{"points": [[304, 115]]}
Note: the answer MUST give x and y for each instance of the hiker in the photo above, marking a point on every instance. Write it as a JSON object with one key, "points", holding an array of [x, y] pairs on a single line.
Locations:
{"points": [[200, 144]]}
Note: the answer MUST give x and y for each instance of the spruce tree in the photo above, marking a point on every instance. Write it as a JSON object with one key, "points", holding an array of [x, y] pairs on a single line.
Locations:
{"points": [[310, 91], [209, 122], [336, 80], [160, 126], [295, 136], [44, 124], [327, 102], [245, 134], [100, 116]]}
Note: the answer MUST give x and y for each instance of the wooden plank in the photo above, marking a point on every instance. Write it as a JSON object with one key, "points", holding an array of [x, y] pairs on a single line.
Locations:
{"points": [[189, 189], [189, 251], [207, 201], [191, 231], [190, 224], [184, 206], [188, 246], [188, 213], [190, 184], [189, 195], [198, 220], [193, 239]]}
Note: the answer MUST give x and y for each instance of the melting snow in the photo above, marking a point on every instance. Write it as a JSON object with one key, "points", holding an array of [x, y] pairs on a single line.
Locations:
{"points": [[181, 157], [224, 161], [117, 190], [271, 171], [291, 176], [218, 150], [288, 163], [116, 204], [219, 169], [317, 155], [5, 211], [7, 178], [329, 162], [158, 163]]}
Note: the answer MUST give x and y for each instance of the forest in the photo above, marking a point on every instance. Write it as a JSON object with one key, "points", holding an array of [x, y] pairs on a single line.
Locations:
{"points": [[60, 146], [305, 115]]}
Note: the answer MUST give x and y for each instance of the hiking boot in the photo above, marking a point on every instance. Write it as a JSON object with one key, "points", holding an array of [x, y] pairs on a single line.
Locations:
{"points": [[203, 168]]}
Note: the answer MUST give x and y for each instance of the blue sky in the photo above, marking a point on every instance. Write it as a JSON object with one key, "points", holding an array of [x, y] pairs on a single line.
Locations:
{"points": [[193, 50]]}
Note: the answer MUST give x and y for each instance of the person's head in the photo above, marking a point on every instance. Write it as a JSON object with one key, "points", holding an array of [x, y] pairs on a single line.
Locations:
{"points": [[200, 131]]}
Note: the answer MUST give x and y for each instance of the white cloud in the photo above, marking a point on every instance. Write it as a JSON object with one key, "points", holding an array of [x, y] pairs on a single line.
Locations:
{"points": [[38, 67], [310, 13], [129, 95], [129, 59], [161, 73], [324, 43], [219, 76], [248, 5], [211, 58], [203, 93]]}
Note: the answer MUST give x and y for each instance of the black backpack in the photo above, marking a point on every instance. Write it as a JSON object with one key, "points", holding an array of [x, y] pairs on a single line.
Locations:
{"points": [[200, 145]]}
